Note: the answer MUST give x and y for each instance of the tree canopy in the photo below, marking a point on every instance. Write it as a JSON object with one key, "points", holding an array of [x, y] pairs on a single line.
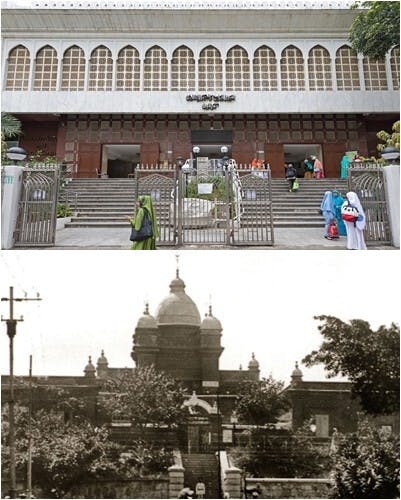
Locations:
{"points": [[376, 30], [145, 396], [370, 359], [261, 402], [366, 464]]}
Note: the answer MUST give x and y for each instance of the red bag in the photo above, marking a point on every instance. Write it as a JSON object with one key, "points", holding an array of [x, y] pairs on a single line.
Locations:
{"points": [[332, 230]]}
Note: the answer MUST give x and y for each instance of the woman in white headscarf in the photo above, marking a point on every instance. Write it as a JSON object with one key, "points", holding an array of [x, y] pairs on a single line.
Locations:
{"points": [[355, 239]]}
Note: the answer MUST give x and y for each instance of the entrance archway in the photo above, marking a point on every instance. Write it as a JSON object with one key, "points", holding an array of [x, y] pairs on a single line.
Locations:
{"points": [[119, 160]]}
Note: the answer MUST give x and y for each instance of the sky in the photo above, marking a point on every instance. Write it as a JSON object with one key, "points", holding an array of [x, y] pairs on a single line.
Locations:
{"points": [[265, 300]]}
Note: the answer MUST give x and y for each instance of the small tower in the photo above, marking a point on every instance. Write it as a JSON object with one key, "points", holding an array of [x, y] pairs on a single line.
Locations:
{"points": [[296, 375], [145, 340], [102, 366], [90, 370], [253, 367], [210, 350]]}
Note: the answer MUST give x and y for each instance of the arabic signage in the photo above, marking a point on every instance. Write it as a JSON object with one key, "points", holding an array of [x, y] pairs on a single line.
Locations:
{"points": [[210, 101]]}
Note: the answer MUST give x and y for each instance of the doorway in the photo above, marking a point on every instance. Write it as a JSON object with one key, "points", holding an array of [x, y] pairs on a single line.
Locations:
{"points": [[119, 160], [296, 154]]}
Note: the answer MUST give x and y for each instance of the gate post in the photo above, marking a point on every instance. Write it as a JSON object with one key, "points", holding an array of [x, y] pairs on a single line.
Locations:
{"points": [[11, 177], [228, 180], [179, 208]]}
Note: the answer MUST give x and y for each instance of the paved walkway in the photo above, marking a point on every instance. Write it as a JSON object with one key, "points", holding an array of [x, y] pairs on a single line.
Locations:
{"points": [[118, 239]]}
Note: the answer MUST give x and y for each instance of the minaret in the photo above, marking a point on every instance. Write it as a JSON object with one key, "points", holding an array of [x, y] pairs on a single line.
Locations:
{"points": [[102, 366], [296, 375], [90, 371], [210, 350], [145, 340], [253, 367]]}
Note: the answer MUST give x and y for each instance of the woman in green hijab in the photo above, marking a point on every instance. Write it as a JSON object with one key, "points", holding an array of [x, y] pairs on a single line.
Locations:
{"points": [[143, 203]]}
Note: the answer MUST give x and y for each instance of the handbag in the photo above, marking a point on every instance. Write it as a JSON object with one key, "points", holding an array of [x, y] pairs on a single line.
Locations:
{"points": [[145, 231], [349, 213]]}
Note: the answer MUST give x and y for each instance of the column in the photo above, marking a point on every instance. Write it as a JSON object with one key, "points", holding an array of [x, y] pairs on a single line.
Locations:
{"points": [[59, 73], [114, 74], [306, 72], [87, 66], [175, 480], [388, 72], [333, 71], [141, 74], [360, 70], [197, 74], [223, 68], [31, 73]]}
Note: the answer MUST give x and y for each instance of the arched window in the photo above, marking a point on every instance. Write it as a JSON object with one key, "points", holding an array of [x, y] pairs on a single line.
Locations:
{"points": [[128, 69], [237, 69], [183, 69], [374, 73], [210, 69], [319, 69], [347, 72], [155, 69], [45, 69], [292, 69], [73, 69], [100, 69], [395, 67], [264, 69], [18, 69]]}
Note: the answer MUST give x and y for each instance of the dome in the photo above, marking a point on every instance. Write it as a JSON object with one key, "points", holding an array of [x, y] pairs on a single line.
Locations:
{"points": [[209, 322], [178, 308], [89, 368], [253, 364], [146, 320], [102, 360], [296, 372]]}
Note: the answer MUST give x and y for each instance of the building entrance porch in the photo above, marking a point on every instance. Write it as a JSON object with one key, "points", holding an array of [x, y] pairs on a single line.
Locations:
{"points": [[119, 160]]}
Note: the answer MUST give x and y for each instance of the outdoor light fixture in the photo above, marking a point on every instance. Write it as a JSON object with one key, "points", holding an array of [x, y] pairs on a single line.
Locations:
{"points": [[179, 161], [224, 150], [16, 153], [196, 150], [390, 153]]}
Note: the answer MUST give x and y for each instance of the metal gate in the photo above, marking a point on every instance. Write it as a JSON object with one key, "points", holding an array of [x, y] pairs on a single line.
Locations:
{"points": [[367, 181], [209, 206], [37, 208], [161, 185]]}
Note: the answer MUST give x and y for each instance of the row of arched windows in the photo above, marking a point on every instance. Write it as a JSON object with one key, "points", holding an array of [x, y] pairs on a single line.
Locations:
{"points": [[209, 73]]}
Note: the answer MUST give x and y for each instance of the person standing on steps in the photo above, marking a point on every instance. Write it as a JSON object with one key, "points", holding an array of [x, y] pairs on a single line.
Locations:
{"points": [[308, 166], [344, 167], [355, 239], [318, 172], [291, 175], [338, 201], [328, 211], [200, 489]]}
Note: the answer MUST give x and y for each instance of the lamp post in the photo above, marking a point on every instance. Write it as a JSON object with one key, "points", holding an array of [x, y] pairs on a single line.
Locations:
{"points": [[234, 421], [11, 332], [195, 151], [225, 158], [17, 154]]}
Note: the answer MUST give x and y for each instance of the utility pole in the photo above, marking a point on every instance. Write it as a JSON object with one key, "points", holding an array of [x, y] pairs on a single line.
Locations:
{"points": [[11, 332], [29, 464]]}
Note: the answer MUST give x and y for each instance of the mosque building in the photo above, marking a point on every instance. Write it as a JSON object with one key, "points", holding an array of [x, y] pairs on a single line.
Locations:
{"points": [[107, 85]]}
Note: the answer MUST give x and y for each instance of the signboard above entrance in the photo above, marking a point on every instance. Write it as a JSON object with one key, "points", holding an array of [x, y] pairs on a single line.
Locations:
{"points": [[210, 101]]}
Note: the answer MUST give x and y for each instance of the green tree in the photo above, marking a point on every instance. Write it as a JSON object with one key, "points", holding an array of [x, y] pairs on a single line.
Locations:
{"points": [[272, 453], [366, 464], [392, 139], [63, 455], [10, 128], [376, 30], [370, 359], [145, 396], [261, 402]]}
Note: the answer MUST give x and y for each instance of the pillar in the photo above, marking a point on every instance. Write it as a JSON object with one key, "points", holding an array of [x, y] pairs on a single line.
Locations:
{"points": [[175, 480]]}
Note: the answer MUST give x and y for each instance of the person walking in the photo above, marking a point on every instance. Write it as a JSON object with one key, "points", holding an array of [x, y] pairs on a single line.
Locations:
{"points": [[144, 204], [290, 175], [328, 212], [344, 167], [355, 238], [318, 172], [338, 201]]}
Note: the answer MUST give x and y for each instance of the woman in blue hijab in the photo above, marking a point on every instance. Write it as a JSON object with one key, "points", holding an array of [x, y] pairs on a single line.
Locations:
{"points": [[338, 200], [328, 211]]}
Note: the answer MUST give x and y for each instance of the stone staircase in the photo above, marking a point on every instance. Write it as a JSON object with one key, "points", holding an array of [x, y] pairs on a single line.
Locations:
{"points": [[103, 203], [201, 465]]}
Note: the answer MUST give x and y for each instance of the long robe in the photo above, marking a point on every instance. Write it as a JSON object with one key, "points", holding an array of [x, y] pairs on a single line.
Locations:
{"points": [[149, 243], [344, 167], [355, 238], [338, 202]]}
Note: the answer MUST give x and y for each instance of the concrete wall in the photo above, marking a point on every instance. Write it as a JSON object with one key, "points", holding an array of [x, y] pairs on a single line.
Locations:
{"points": [[141, 488], [392, 180], [291, 488]]}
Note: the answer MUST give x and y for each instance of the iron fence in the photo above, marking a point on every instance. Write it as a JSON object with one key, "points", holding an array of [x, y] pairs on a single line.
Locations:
{"points": [[367, 181]]}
